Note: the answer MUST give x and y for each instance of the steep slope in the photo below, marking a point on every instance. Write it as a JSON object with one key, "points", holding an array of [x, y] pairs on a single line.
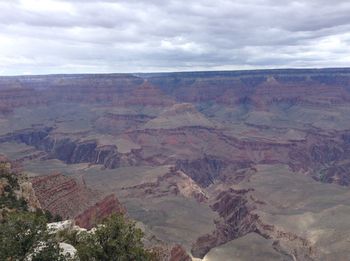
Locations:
{"points": [[71, 199]]}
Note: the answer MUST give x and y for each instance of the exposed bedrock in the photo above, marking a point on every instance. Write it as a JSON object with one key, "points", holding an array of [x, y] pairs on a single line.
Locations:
{"points": [[70, 198], [146, 95], [338, 174], [118, 123], [178, 253], [14, 96], [205, 171], [73, 151], [170, 252], [260, 88], [96, 213], [172, 183], [85, 152], [236, 221], [256, 88], [63, 195], [237, 218], [325, 156], [200, 141]]}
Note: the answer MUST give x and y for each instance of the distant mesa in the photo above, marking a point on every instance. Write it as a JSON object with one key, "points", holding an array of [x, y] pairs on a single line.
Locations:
{"points": [[179, 115], [145, 95]]}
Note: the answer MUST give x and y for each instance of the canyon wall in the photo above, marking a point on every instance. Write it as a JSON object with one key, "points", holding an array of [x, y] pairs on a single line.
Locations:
{"points": [[96, 213], [258, 88], [71, 199], [188, 140]]}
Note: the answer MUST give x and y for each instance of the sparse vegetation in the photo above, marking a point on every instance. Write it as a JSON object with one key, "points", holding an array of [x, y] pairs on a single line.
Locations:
{"points": [[9, 184], [116, 238], [24, 234]]}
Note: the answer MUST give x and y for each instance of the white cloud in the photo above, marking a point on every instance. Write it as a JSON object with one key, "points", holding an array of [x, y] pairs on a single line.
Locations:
{"points": [[58, 36], [44, 6]]}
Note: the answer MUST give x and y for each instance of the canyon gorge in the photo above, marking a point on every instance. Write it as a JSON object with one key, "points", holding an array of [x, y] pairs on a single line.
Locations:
{"points": [[252, 165]]}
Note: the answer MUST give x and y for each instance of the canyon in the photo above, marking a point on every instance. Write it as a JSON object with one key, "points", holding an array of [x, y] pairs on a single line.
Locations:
{"points": [[212, 164]]}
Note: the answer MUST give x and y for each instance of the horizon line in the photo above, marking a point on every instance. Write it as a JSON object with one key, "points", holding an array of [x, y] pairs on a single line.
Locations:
{"points": [[183, 72]]}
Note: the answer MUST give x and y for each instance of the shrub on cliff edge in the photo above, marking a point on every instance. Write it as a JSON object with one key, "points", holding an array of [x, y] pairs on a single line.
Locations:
{"points": [[116, 239], [24, 236]]}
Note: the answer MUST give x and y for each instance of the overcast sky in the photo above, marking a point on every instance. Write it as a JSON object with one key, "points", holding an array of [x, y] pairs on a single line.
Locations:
{"points": [[70, 36]]}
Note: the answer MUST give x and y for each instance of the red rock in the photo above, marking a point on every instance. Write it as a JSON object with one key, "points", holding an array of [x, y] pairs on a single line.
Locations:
{"points": [[236, 220], [172, 183], [147, 95], [96, 213], [11, 98], [63, 195], [178, 253]]}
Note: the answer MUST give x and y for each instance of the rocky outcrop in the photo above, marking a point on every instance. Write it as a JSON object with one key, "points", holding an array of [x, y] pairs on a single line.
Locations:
{"points": [[319, 154], [172, 183], [96, 213], [288, 243], [146, 95], [73, 151], [250, 88], [17, 96], [68, 250], [307, 92], [338, 174], [208, 170], [118, 123], [62, 195], [33, 90], [16, 191], [70, 198], [203, 171], [179, 115], [28, 193], [322, 155], [170, 252], [178, 253], [236, 220], [187, 144], [257, 88]]}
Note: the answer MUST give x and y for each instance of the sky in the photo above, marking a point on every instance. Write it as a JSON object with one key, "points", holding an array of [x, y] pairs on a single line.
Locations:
{"points": [[90, 36]]}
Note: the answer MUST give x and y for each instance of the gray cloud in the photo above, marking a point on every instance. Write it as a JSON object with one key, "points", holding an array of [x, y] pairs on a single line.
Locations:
{"points": [[62, 36]]}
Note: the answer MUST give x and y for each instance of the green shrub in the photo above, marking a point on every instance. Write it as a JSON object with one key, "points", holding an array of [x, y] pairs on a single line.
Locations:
{"points": [[23, 233], [116, 239]]}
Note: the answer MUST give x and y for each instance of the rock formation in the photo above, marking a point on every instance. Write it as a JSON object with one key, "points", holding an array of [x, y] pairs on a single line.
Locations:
{"points": [[63, 195], [195, 140], [96, 213], [172, 183], [237, 218]]}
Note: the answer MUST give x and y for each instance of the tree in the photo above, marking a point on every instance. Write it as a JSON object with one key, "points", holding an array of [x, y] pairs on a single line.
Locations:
{"points": [[116, 239], [24, 234], [9, 183]]}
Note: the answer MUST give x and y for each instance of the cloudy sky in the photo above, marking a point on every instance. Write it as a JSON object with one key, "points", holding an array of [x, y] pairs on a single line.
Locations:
{"points": [[70, 36]]}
